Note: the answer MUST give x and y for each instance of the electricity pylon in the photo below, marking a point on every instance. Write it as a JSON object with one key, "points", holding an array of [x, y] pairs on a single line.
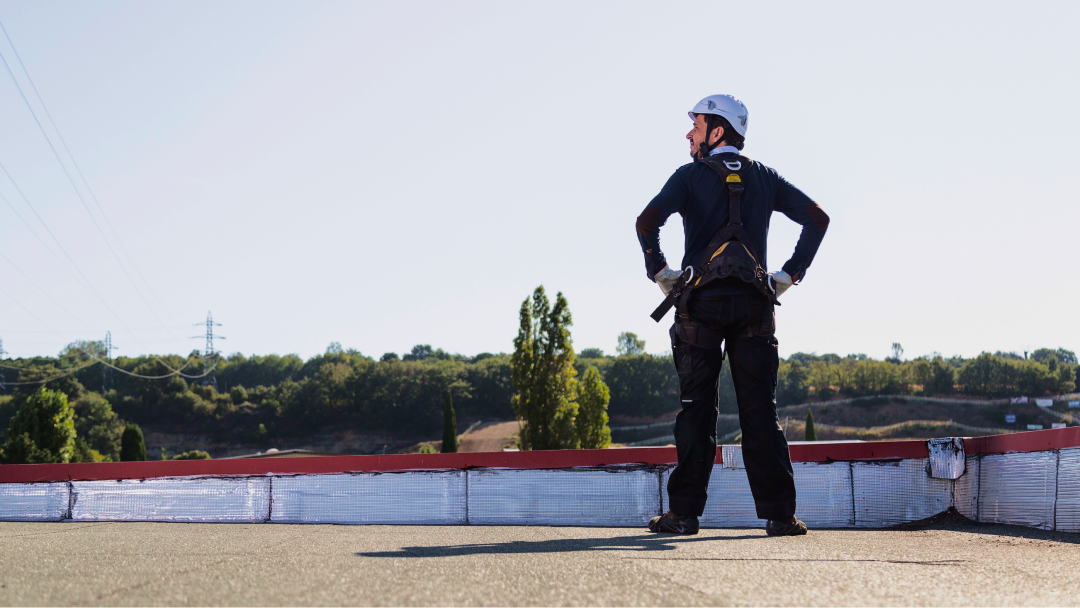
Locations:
{"points": [[106, 371], [209, 356]]}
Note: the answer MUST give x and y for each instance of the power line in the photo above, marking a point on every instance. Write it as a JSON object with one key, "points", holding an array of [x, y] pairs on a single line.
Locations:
{"points": [[173, 372], [37, 236], [32, 282], [66, 254], [78, 170], [71, 180]]}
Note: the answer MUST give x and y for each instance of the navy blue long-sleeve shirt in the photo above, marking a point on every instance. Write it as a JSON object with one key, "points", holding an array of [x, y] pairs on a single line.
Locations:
{"points": [[697, 193]]}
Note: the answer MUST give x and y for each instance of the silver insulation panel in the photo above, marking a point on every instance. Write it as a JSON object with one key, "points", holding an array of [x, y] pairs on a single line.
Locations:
{"points": [[966, 490], [896, 492], [612, 496], [1067, 517], [181, 499], [1018, 489], [824, 494], [413, 497], [34, 501], [946, 457], [730, 504], [823, 497]]}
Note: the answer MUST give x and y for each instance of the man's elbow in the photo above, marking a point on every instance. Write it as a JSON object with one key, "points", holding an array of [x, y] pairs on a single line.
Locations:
{"points": [[818, 215], [648, 221]]}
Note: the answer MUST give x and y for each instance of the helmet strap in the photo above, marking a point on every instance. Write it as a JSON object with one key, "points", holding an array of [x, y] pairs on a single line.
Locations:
{"points": [[704, 148]]}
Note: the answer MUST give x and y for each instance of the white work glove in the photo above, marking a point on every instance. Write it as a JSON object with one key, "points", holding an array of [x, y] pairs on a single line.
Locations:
{"points": [[781, 281], [666, 279]]}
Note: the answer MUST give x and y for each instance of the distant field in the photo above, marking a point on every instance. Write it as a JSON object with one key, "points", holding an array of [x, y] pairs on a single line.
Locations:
{"points": [[866, 420]]}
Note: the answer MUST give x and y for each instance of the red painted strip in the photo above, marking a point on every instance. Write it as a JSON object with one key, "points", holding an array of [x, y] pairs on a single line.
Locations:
{"points": [[870, 450], [1030, 441], [402, 462], [24, 473]]}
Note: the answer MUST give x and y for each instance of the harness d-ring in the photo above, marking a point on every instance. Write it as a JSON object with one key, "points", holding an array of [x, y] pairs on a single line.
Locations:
{"points": [[691, 269]]}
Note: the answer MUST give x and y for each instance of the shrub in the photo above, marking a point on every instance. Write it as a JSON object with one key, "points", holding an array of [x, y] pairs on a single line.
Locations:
{"points": [[43, 430], [192, 455], [132, 446]]}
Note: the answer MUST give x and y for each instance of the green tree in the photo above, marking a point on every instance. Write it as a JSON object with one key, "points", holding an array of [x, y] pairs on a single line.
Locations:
{"points": [[941, 378], [449, 433], [21, 449], [49, 376], [542, 369], [793, 383], [1066, 381], [84, 453], [132, 445], [811, 432], [642, 385], [43, 430], [1062, 355], [98, 426], [629, 344], [592, 419]]}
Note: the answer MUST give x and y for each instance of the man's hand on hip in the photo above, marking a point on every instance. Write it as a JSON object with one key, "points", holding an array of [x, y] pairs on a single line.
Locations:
{"points": [[666, 279], [780, 281]]}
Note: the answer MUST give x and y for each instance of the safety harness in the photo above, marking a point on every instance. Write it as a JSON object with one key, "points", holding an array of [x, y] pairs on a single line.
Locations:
{"points": [[730, 252]]}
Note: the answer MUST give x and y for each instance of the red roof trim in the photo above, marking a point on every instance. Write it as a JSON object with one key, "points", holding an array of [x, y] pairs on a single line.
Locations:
{"points": [[870, 450], [559, 459], [1030, 441]]}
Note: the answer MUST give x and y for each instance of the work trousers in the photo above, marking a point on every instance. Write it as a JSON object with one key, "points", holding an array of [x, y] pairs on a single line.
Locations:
{"points": [[744, 327]]}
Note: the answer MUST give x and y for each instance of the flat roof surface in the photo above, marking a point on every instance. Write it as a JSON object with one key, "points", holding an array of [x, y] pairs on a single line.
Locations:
{"points": [[955, 563]]}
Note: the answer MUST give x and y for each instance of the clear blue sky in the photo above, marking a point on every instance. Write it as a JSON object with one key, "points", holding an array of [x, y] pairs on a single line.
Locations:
{"points": [[387, 174]]}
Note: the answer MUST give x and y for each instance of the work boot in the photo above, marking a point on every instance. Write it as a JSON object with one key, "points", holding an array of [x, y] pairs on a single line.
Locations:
{"points": [[670, 523], [791, 526]]}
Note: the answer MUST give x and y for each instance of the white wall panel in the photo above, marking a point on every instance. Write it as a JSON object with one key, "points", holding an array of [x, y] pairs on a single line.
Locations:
{"points": [[413, 497], [182, 499], [33, 501], [896, 492], [1018, 489], [565, 497]]}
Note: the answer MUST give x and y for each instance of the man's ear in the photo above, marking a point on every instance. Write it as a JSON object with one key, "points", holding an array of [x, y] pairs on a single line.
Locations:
{"points": [[717, 135]]}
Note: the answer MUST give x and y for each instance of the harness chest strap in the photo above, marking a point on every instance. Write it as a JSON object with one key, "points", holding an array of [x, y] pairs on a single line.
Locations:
{"points": [[731, 173]]}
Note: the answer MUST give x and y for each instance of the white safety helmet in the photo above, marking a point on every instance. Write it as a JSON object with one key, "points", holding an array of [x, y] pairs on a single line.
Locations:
{"points": [[733, 110]]}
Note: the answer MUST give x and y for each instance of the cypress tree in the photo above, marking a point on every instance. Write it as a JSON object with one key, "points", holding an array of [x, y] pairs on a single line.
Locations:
{"points": [[811, 432], [449, 433], [132, 445], [592, 419], [542, 370]]}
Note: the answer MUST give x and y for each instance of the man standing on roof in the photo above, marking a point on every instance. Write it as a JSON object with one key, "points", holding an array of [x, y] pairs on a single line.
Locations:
{"points": [[724, 302]]}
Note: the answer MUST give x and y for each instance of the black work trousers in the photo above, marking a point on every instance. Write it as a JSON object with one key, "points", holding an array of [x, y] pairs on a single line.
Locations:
{"points": [[744, 326]]}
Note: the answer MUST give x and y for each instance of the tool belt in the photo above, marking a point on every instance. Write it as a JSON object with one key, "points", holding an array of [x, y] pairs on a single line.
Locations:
{"points": [[730, 252]]}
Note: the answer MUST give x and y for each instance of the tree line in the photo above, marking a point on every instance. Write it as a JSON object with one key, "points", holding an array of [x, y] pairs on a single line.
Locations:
{"points": [[276, 397], [804, 377]]}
